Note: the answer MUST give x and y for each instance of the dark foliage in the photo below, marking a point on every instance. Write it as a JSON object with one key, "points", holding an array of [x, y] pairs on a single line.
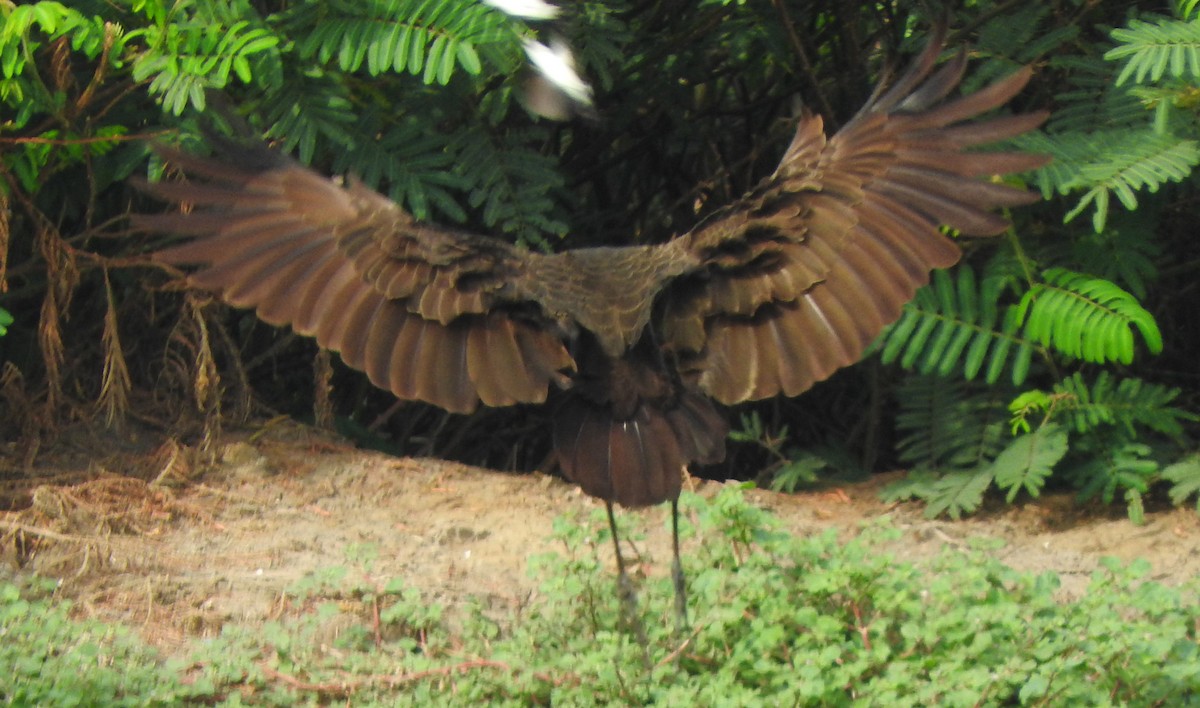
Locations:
{"points": [[695, 101]]}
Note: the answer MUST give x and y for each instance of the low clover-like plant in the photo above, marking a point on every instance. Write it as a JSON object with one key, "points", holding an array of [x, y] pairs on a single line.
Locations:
{"points": [[777, 619]]}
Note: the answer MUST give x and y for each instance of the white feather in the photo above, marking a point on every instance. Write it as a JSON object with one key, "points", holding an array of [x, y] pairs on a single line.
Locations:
{"points": [[528, 9], [557, 64]]}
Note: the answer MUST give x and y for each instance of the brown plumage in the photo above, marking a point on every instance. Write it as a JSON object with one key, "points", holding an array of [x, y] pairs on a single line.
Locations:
{"points": [[765, 297]]}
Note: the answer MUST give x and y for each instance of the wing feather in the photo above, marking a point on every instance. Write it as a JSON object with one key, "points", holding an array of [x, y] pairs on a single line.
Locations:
{"points": [[848, 229], [767, 296], [427, 313]]}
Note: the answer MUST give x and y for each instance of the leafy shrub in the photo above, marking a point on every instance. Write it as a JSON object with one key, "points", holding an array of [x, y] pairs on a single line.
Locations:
{"points": [[49, 659], [419, 98], [1035, 317], [776, 620]]}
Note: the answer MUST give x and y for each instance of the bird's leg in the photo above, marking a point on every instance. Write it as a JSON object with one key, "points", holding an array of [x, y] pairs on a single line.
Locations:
{"points": [[624, 585], [681, 620]]}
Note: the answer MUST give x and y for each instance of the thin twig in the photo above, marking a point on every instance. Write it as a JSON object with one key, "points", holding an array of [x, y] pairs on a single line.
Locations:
{"points": [[348, 687], [44, 533], [132, 137], [679, 649], [798, 46]]}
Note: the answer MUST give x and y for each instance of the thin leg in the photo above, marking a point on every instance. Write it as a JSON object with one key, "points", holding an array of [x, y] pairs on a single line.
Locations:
{"points": [[681, 619], [624, 585]]}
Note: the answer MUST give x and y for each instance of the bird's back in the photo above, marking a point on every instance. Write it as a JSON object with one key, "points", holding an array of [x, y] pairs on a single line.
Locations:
{"points": [[610, 292]]}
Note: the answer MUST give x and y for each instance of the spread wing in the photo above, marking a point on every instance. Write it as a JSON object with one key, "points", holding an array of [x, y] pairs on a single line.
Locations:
{"points": [[428, 313], [768, 296], [802, 273]]}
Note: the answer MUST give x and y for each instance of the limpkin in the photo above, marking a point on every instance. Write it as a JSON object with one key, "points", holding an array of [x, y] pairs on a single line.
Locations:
{"points": [[764, 297]]}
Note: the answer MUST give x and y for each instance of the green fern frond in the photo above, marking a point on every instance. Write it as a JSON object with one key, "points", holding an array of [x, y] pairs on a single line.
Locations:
{"points": [[1118, 465], [752, 429], [511, 182], [1029, 460], [956, 325], [1184, 9], [1125, 252], [1130, 160], [19, 29], [1154, 160], [802, 467], [1123, 158], [427, 38], [602, 49], [1126, 403], [957, 493], [1013, 29], [1086, 318], [308, 108], [1185, 478], [948, 425], [407, 160], [1089, 98], [186, 59], [1071, 151], [916, 484], [1161, 46], [26, 27], [1019, 36], [27, 33]]}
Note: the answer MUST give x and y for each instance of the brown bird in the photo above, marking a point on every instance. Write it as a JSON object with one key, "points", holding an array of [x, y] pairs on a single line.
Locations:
{"points": [[765, 297]]}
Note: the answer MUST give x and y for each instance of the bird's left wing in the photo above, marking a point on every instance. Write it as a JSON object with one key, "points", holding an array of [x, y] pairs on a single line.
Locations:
{"points": [[428, 313], [801, 274]]}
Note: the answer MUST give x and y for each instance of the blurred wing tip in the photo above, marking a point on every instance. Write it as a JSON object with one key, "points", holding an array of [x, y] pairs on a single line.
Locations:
{"points": [[1039, 116], [1038, 160]]}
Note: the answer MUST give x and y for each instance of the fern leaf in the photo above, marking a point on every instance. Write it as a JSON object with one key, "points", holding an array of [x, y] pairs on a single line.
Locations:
{"points": [[1089, 97], [1128, 404], [1121, 161], [309, 107], [751, 430], [801, 468], [408, 161], [957, 493], [1017, 28], [1119, 465], [946, 424], [1125, 252], [1185, 478], [951, 325], [1161, 46], [1028, 461], [426, 38], [186, 59], [511, 183], [917, 484], [1086, 318], [1151, 162]]}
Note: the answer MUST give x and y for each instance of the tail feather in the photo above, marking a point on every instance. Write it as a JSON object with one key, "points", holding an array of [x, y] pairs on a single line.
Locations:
{"points": [[637, 461], [700, 429]]}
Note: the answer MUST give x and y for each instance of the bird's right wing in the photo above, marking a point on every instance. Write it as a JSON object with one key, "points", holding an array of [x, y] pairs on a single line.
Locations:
{"points": [[805, 271]]}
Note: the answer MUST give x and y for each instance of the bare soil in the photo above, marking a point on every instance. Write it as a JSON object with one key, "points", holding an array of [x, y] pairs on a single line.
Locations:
{"points": [[177, 551]]}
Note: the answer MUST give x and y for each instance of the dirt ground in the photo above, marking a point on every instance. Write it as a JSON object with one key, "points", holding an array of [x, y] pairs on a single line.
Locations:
{"points": [[138, 536]]}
